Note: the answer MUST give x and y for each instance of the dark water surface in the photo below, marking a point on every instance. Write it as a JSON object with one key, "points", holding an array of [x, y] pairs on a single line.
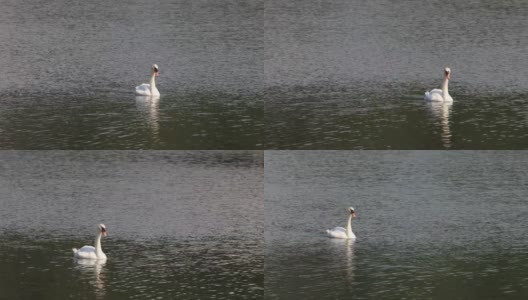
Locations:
{"points": [[127, 122], [180, 224], [430, 225], [70, 68], [351, 75]]}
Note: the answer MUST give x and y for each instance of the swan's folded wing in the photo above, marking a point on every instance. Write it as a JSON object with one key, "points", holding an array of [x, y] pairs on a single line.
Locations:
{"points": [[427, 96], [434, 95], [338, 232], [87, 249], [143, 90], [86, 252]]}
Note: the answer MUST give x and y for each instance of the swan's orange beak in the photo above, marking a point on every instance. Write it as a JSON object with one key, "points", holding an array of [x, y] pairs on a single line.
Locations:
{"points": [[103, 232], [156, 73], [353, 214]]}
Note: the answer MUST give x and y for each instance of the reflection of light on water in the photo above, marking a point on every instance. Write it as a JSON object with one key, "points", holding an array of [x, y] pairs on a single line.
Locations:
{"points": [[441, 112], [150, 106], [345, 247], [350, 259], [95, 268]]}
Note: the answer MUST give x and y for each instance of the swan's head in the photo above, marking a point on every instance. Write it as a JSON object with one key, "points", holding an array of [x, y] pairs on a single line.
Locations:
{"points": [[155, 69], [447, 73], [102, 229], [352, 211]]}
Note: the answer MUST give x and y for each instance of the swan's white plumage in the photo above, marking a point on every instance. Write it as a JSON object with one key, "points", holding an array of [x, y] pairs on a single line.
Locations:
{"points": [[441, 94], [342, 233], [86, 252], [434, 95], [90, 252], [149, 89], [337, 233], [143, 89]]}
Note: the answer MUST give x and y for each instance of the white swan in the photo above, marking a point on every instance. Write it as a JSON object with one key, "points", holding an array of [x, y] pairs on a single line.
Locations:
{"points": [[342, 233], [440, 94], [147, 89], [89, 252]]}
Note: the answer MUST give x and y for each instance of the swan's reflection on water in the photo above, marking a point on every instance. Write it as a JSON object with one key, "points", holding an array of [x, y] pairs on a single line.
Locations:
{"points": [[149, 105], [344, 249], [93, 270], [441, 111]]}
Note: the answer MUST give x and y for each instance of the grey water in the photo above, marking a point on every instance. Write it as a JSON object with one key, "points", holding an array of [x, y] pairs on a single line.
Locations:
{"points": [[181, 225], [70, 68], [430, 225], [352, 75]]}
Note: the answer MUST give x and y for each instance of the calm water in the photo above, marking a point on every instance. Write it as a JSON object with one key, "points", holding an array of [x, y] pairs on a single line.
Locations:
{"points": [[70, 70], [430, 225], [348, 74], [180, 224]]}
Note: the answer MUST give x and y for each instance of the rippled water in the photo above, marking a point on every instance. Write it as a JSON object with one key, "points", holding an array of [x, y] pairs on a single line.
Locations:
{"points": [[70, 70], [430, 225], [180, 224], [128, 122], [347, 74]]}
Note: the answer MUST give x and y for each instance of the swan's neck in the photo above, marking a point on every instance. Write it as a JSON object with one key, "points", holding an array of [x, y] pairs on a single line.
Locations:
{"points": [[153, 81], [98, 249], [349, 226], [445, 91]]}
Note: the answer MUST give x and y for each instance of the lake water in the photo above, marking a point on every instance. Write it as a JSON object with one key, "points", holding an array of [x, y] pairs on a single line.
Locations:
{"points": [[180, 224], [70, 70], [352, 75], [430, 225]]}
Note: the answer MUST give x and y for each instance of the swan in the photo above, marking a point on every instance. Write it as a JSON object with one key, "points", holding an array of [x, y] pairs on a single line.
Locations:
{"points": [[440, 94], [147, 89], [342, 233], [89, 252]]}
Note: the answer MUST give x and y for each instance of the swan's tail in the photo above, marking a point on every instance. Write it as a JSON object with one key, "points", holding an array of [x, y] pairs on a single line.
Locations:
{"points": [[74, 250]]}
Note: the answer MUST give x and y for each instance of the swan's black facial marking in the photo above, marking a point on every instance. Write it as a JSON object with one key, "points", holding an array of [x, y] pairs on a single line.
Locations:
{"points": [[156, 70], [103, 229]]}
